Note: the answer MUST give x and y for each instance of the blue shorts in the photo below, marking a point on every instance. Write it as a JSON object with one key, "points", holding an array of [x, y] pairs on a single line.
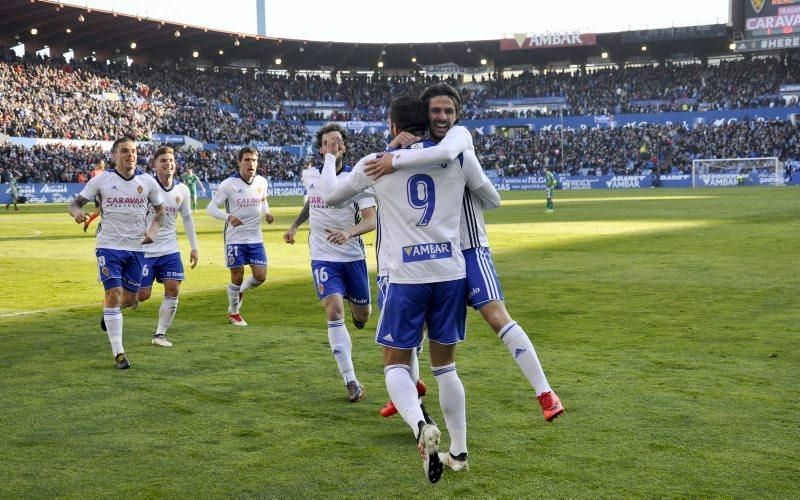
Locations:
{"points": [[120, 268], [240, 254], [483, 285], [408, 307], [383, 286], [348, 279], [165, 267]]}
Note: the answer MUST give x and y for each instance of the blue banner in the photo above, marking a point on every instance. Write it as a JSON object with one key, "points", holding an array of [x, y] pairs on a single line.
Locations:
{"points": [[576, 182], [521, 101], [43, 193], [65, 192], [297, 150], [688, 119], [168, 138], [315, 104]]}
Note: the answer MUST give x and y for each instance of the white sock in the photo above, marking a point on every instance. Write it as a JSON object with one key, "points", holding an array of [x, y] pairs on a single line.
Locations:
{"points": [[403, 394], [454, 407], [113, 318], [249, 283], [233, 299], [169, 306], [341, 347], [520, 346], [413, 366]]}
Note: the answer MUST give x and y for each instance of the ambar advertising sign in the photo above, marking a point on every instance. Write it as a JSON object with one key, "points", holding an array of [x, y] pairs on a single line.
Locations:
{"points": [[523, 41]]}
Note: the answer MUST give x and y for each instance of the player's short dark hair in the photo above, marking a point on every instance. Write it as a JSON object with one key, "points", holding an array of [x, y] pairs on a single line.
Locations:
{"points": [[124, 138], [163, 150], [408, 115], [437, 90], [245, 150], [330, 127]]}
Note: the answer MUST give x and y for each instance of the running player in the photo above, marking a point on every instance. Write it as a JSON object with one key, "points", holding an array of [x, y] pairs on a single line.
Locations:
{"points": [[124, 195], [245, 198], [162, 257], [338, 264]]}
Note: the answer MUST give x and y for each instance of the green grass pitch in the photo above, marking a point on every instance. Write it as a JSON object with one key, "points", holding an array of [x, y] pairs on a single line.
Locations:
{"points": [[667, 321]]}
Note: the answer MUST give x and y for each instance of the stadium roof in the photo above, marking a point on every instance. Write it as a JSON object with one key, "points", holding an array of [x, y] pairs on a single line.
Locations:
{"points": [[112, 34]]}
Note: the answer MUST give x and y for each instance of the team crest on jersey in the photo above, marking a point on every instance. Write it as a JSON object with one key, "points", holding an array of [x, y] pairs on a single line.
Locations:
{"points": [[104, 270], [139, 189], [177, 200], [320, 288], [757, 5]]}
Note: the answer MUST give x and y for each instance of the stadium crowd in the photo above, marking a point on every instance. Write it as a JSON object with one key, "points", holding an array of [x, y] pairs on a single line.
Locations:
{"points": [[631, 150], [49, 98], [598, 151]]}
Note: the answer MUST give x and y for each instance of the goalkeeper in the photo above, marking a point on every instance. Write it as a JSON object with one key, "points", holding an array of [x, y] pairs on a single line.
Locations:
{"points": [[550, 183]]}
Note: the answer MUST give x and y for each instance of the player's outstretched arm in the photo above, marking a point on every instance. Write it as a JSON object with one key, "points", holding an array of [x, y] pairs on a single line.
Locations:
{"points": [[75, 209], [158, 218], [288, 236], [369, 221], [191, 235], [333, 190], [214, 211], [456, 141], [478, 183]]}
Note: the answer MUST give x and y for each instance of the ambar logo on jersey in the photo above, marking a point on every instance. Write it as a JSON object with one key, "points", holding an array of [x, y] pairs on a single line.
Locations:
{"points": [[427, 251]]}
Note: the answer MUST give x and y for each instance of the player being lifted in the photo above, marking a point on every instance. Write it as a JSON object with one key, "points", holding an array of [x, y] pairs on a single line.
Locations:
{"points": [[162, 257], [245, 198], [421, 208], [338, 264], [482, 281], [124, 194]]}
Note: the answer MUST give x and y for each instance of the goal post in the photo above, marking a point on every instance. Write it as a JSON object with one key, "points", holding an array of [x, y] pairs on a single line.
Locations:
{"points": [[717, 172]]}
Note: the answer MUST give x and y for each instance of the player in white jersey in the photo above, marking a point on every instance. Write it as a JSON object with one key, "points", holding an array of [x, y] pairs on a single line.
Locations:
{"points": [[245, 198], [421, 208], [338, 264], [124, 195], [162, 257], [483, 285]]}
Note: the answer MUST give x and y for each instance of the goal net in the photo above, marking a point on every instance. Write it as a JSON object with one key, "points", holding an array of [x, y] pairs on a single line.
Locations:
{"points": [[737, 172]]}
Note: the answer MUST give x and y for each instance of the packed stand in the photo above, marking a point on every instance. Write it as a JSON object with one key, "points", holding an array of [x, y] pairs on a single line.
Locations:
{"points": [[597, 151], [633, 150], [49, 98]]}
